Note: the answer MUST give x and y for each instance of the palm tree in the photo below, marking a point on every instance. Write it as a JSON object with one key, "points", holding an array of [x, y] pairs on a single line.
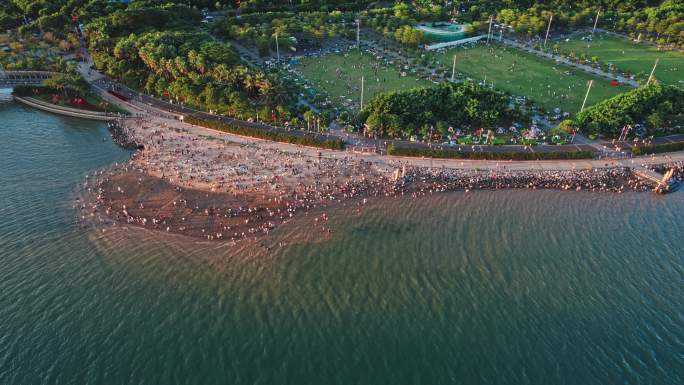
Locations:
{"points": [[250, 83]]}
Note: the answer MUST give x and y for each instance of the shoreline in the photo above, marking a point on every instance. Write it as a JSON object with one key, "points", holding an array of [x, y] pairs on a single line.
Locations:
{"points": [[225, 188], [132, 197]]}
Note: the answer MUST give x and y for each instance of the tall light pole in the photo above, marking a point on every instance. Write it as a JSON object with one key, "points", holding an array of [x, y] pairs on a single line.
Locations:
{"points": [[277, 47], [453, 69], [650, 77], [596, 21], [548, 29], [362, 79], [591, 82], [489, 33]]}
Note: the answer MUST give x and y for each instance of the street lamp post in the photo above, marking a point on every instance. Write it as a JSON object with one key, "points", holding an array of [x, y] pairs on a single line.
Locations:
{"points": [[591, 82], [650, 77], [362, 80], [277, 47], [548, 29], [596, 21]]}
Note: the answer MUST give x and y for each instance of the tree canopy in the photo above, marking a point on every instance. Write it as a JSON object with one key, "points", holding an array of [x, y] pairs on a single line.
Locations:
{"points": [[651, 104], [423, 111], [177, 61]]}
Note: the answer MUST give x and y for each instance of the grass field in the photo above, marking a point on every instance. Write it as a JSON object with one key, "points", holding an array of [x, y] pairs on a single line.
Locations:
{"points": [[638, 59], [339, 75], [544, 82]]}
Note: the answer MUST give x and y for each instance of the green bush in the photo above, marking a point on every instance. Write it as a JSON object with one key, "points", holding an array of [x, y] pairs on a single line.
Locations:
{"points": [[657, 148], [452, 154], [405, 113], [311, 141], [28, 90], [650, 104]]}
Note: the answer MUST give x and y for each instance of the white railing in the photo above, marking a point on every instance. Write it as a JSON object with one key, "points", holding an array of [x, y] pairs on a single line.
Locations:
{"points": [[18, 75], [454, 43]]}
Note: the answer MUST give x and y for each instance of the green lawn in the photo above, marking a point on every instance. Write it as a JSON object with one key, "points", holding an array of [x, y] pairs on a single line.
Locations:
{"points": [[543, 81], [628, 56], [339, 75]]}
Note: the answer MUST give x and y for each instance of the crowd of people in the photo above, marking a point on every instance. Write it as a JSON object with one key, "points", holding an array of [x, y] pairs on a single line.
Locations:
{"points": [[181, 181]]}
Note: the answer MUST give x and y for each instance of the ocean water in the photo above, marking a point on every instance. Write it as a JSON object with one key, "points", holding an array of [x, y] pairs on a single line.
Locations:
{"points": [[494, 287]]}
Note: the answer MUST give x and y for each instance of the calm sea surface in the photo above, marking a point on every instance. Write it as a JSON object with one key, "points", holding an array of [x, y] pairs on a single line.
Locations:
{"points": [[508, 287]]}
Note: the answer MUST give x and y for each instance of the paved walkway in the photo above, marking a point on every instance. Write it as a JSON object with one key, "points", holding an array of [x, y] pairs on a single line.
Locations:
{"points": [[391, 162]]}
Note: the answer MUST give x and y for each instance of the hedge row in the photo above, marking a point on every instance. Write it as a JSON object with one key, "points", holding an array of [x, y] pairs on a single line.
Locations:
{"points": [[657, 148], [451, 154], [28, 90], [332, 144]]}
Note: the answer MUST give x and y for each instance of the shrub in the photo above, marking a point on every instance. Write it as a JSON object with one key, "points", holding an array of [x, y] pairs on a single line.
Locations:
{"points": [[268, 134], [657, 148], [453, 154], [651, 103]]}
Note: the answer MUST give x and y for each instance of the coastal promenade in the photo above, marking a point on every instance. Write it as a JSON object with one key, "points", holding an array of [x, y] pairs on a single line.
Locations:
{"points": [[392, 162], [164, 114]]}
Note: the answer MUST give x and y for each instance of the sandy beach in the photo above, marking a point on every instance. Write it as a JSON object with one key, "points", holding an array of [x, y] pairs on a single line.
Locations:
{"points": [[193, 181]]}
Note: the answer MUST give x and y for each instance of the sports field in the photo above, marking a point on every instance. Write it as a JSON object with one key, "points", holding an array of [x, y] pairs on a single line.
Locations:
{"points": [[543, 81], [339, 75], [626, 55]]}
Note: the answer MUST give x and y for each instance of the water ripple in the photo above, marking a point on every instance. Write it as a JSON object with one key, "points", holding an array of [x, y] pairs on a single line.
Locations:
{"points": [[506, 287]]}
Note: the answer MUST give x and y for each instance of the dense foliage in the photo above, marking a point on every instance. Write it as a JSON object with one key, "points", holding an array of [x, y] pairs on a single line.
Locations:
{"points": [[292, 29], [301, 5], [158, 46], [432, 110], [159, 49], [659, 21], [658, 148], [651, 105], [453, 154], [398, 23], [301, 138], [52, 15]]}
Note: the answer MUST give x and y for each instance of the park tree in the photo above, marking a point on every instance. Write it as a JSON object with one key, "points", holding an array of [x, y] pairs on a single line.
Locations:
{"points": [[652, 103], [405, 113], [566, 126], [66, 82]]}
